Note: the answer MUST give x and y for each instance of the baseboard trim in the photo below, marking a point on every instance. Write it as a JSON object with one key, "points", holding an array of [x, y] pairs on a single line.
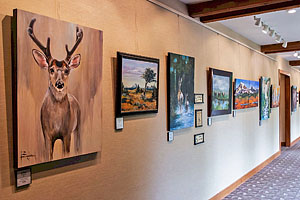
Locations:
{"points": [[244, 178], [295, 141]]}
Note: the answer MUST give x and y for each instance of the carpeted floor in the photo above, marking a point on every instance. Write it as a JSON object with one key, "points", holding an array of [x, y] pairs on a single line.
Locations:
{"points": [[278, 180]]}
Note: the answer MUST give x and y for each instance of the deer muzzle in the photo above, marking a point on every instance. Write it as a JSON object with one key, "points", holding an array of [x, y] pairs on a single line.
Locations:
{"points": [[59, 84]]}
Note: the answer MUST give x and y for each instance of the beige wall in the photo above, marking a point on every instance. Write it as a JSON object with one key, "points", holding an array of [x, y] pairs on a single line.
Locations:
{"points": [[138, 163]]}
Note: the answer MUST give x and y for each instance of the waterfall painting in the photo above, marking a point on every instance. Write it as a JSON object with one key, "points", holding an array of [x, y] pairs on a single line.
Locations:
{"points": [[265, 88], [180, 91]]}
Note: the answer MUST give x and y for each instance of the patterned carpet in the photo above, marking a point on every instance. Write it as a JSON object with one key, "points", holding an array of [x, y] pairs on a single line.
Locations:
{"points": [[278, 180]]}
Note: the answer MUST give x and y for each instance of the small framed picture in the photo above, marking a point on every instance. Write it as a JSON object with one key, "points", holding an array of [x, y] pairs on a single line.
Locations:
{"points": [[199, 98], [23, 177], [198, 118], [198, 138]]}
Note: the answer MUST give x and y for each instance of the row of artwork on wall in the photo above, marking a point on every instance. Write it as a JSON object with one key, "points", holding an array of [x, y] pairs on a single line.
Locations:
{"points": [[63, 97]]}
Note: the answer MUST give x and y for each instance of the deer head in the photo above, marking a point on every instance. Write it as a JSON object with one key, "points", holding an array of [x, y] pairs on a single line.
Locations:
{"points": [[58, 70]]}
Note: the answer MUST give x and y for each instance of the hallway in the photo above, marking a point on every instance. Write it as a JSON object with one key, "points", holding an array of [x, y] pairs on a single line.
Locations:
{"points": [[278, 180]]}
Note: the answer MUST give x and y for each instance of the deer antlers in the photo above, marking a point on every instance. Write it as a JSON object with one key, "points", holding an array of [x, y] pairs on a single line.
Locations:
{"points": [[46, 50], [79, 36]]}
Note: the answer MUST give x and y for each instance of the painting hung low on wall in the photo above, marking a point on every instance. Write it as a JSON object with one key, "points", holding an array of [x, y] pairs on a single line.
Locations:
{"points": [[275, 96], [294, 98], [138, 78], [58, 95], [180, 91], [265, 88], [245, 94], [219, 92]]}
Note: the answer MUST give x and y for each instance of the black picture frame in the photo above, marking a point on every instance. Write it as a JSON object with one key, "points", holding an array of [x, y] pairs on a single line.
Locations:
{"points": [[199, 98], [211, 111], [197, 117], [196, 136], [119, 90], [186, 70], [293, 98], [20, 171]]}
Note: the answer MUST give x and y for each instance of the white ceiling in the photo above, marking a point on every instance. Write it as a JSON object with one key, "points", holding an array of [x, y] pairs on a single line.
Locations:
{"points": [[287, 25]]}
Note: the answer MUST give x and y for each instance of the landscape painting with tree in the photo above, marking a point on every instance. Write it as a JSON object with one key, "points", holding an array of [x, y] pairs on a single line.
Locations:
{"points": [[180, 91], [265, 88], [245, 94], [58, 75], [138, 84], [294, 98], [219, 92]]}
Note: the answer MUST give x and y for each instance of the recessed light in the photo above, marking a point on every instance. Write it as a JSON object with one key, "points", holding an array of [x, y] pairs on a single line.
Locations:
{"points": [[291, 11]]}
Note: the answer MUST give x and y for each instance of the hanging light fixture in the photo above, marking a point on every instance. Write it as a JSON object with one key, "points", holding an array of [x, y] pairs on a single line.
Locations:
{"points": [[296, 54], [278, 38], [265, 28], [284, 44], [271, 32], [258, 21]]}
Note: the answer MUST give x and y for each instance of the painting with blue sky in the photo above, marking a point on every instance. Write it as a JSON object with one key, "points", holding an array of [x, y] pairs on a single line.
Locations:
{"points": [[138, 84]]}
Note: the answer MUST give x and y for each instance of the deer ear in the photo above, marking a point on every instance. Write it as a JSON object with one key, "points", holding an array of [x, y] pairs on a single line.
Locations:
{"points": [[75, 61], [40, 59]]}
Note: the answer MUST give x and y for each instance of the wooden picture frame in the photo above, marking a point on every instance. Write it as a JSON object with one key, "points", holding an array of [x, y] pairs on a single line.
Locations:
{"points": [[198, 118], [134, 72], [219, 91], [199, 98]]}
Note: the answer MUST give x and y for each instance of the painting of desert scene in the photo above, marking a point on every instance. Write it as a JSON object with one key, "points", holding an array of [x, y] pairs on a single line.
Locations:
{"points": [[139, 86], [59, 81]]}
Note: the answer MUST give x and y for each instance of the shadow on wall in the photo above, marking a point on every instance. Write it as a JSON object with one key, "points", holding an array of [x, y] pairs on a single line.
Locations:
{"points": [[41, 170]]}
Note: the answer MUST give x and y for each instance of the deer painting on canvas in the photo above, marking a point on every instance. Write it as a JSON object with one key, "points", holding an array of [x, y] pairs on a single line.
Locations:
{"points": [[60, 111], [58, 75]]}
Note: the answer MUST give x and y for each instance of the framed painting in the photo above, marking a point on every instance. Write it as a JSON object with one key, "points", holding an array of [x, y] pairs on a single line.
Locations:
{"points": [[253, 93], [265, 88], [180, 91], [294, 98], [199, 98], [245, 94], [219, 92], [59, 89], [198, 118], [275, 96], [137, 87]]}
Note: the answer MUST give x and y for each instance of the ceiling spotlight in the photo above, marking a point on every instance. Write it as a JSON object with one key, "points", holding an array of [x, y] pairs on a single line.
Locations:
{"points": [[292, 11], [258, 21], [265, 29], [296, 54], [284, 44], [271, 32], [277, 38]]}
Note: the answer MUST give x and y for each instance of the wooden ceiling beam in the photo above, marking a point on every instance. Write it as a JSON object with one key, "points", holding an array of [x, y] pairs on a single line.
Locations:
{"points": [[277, 48], [294, 63], [217, 10]]}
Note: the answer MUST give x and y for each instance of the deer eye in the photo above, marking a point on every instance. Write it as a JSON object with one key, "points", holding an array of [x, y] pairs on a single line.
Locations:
{"points": [[67, 71], [51, 70]]}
